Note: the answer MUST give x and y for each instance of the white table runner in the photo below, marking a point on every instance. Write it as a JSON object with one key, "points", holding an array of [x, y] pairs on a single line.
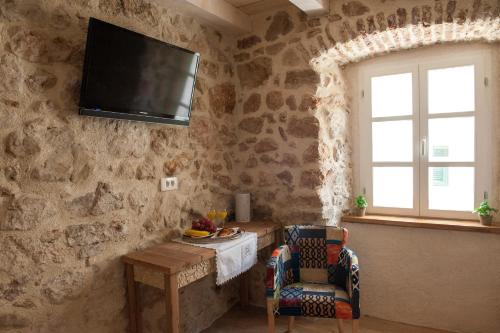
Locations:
{"points": [[232, 257]]}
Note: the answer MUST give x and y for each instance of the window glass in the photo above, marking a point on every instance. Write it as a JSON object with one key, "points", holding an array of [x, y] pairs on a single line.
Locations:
{"points": [[419, 147], [451, 89], [392, 95], [451, 139], [392, 141], [451, 188], [393, 187]]}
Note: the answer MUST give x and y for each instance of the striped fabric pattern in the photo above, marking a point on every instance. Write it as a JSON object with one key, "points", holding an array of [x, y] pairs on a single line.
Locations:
{"points": [[314, 274]]}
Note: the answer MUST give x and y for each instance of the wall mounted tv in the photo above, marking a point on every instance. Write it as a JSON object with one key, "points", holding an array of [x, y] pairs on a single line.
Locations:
{"points": [[130, 76]]}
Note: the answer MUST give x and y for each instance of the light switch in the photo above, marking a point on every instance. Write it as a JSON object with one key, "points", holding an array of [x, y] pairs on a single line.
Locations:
{"points": [[169, 184]]}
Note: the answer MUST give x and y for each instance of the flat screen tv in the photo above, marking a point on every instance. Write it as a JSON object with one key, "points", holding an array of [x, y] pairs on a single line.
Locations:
{"points": [[131, 76]]}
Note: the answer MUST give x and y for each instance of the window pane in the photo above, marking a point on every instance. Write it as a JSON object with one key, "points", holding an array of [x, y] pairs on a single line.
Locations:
{"points": [[451, 139], [392, 95], [451, 188], [451, 89], [392, 141], [393, 187]]}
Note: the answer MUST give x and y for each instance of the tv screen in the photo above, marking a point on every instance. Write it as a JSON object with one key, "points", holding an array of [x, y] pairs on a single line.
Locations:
{"points": [[131, 76]]}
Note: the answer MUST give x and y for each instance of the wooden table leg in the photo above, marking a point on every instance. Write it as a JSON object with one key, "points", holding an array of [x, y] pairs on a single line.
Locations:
{"points": [[244, 287], [172, 303], [134, 311]]}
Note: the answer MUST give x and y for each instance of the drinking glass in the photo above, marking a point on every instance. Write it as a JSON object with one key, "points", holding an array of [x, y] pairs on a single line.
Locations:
{"points": [[221, 215], [212, 214]]}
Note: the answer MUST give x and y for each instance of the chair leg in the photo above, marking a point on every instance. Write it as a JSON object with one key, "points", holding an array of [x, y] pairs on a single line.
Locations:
{"points": [[291, 321], [355, 325], [270, 316], [340, 325]]}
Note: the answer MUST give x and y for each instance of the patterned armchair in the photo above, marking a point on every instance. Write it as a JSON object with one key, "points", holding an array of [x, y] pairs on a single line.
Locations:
{"points": [[313, 275]]}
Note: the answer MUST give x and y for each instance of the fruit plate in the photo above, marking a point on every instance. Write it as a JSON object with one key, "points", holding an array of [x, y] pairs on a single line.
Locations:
{"points": [[212, 239]]}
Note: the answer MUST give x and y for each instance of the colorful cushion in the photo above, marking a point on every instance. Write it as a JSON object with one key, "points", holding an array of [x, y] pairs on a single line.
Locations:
{"points": [[279, 270], [314, 300], [315, 251]]}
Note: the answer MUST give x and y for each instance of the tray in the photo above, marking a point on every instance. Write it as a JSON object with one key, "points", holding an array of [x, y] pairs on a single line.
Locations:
{"points": [[211, 240]]}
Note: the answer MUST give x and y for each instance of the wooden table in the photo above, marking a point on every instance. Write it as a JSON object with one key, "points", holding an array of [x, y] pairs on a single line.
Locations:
{"points": [[171, 266]]}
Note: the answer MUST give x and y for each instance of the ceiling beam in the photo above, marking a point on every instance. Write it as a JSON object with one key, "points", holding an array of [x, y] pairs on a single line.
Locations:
{"points": [[313, 7], [264, 6], [220, 13]]}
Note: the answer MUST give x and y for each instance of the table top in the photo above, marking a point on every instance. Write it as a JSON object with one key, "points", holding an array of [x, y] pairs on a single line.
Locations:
{"points": [[172, 257]]}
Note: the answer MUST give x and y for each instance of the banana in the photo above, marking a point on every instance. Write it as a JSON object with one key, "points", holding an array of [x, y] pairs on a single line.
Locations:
{"points": [[196, 233]]}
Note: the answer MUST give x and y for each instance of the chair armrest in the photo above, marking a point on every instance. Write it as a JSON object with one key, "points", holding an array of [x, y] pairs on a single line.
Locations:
{"points": [[348, 260], [279, 272]]}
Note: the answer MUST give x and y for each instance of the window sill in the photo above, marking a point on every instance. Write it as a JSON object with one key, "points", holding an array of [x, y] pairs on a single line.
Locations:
{"points": [[412, 222]]}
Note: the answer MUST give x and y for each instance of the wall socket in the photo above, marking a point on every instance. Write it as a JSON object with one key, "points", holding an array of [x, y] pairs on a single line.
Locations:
{"points": [[169, 184]]}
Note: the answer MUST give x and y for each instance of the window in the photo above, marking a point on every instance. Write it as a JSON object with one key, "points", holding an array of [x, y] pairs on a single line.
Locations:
{"points": [[424, 133]]}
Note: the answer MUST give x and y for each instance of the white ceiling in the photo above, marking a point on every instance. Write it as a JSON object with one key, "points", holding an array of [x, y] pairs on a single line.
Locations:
{"points": [[235, 15], [252, 7]]}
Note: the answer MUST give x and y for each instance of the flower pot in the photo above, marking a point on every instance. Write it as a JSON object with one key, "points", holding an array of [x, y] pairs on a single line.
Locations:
{"points": [[360, 211], [485, 220]]}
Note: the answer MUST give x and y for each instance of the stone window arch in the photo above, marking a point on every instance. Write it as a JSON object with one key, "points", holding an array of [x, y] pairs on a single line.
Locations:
{"points": [[371, 36]]}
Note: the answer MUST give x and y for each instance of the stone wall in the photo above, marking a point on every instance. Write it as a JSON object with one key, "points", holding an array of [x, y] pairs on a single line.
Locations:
{"points": [[293, 114], [271, 115], [76, 193], [278, 131]]}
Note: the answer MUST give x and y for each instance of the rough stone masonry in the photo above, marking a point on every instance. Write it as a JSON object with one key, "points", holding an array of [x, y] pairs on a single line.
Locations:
{"points": [[294, 148], [271, 115], [76, 193]]}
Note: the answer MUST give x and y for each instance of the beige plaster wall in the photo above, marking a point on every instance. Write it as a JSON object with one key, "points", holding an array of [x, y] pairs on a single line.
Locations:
{"points": [[433, 278]]}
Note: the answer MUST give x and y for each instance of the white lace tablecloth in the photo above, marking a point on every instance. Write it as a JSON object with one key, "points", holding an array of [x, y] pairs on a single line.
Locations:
{"points": [[232, 257]]}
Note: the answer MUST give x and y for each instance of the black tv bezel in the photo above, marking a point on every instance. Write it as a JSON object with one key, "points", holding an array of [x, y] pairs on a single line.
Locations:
{"points": [[129, 114]]}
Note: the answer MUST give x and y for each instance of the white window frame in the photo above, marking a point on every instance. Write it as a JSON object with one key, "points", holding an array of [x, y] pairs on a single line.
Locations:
{"points": [[418, 66]]}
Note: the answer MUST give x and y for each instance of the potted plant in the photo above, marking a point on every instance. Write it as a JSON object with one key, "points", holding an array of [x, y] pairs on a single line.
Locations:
{"points": [[484, 211], [361, 204]]}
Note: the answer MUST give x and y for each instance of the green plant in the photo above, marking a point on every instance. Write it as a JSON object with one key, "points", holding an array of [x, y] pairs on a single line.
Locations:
{"points": [[361, 202], [484, 209]]}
